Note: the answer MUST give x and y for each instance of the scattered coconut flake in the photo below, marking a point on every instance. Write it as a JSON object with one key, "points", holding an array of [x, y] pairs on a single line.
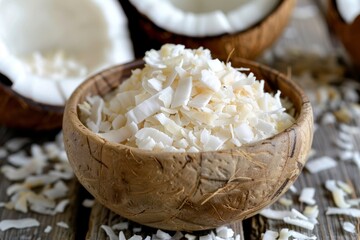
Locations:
{"points": [[60, 207], [353, 212], [293, 189], [18, 223], [16, 144], [190, 236], [3, 152], [299, 222], [320, 164], [199, 92], [312, 212], [275, 214], [349, 227], [62, 224], [162, 235], [48, 229], [136, 229], [109, 232], [284, 234], [224, 232], [337, 193], [343, 145], [285, 201], [120, 226], [89, 203], [270, 235], [135, 237], [301, 236], [122, 235], [307, 196]]}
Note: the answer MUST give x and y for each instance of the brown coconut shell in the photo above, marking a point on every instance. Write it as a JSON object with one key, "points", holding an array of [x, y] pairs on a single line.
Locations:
{"points": [[348, 34], [17, 111], [247, 44], [187, 191]]}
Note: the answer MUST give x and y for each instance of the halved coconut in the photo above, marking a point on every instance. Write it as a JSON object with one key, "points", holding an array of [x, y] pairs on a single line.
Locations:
{"points": [[47, 48], [343, 19], [246, 26]]}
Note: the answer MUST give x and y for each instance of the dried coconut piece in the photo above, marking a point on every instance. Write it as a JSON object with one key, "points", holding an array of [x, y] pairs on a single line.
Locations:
{"points": [[89, 203], [270, 235], [58, 191], [301, 236], [122, 235], [353, 212], [307, 196], [62, 224], [190, 236], [162, 235], [285, 202], [320, 164], [337, 193], [16, 144], [182, 93], [48, 229], [61, 206], [284, 234], [135, 237], [18, 223], [349, 227], [275, 214], [109, 232], [121, 226], [3, 152], [299, 222]]}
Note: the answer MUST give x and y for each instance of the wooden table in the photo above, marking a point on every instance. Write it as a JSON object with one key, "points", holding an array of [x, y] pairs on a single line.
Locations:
{"points": [[306, 34]]}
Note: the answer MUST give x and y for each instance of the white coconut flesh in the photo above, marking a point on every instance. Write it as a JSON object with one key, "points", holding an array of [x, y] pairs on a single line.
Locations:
{"points": [[348, 9], [205, 18], [47, 48]]}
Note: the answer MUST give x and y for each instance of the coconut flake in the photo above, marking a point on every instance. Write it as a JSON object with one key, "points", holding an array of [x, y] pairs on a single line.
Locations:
{"points": [[320, 164], [194, 97], [62, 224], [89, 203], [349, 227], [353, 212], [299, 222], [109, 232], [270, 235], [275, 214], [18, 223], [3, 152], [307, 196], [48, 229]]}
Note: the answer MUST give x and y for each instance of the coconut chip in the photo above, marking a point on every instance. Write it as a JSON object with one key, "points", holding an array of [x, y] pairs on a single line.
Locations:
{"points": [[353, 212], [18, 223], [349, 227], [320, 164], [48, 229], [307, 196], [16, 144], [89, 203], [3, 152], [270, 235]]}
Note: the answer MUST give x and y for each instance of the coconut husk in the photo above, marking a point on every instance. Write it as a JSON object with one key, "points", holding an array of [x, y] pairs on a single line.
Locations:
{"points": [[187, 191], [17, 111], [348, 34], [247, 44]]}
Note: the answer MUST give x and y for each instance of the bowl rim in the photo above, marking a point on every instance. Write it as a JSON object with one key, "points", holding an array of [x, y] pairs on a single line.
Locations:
{"points": [[71, 110], [256, 25]]}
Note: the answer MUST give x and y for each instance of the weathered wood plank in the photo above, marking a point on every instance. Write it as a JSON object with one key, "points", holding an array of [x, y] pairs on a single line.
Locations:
{"points": [[309, 35], [70, 216], [100, 215]]}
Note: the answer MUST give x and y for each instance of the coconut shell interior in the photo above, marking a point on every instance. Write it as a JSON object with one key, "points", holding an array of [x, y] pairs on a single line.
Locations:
{"points": [[187, 191], [17, 111], [247, 44], [348, 34]]}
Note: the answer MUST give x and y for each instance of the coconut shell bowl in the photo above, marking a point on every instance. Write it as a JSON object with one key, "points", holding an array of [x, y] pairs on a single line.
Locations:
{"points": [[187, 191]]}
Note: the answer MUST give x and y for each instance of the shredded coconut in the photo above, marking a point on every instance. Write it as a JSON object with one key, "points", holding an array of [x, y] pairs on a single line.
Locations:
{"points": [[179, 93], [18, 223]]}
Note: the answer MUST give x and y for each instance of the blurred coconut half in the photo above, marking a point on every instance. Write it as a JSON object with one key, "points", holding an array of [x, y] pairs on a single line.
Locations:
{"points": [[343, 19], [48, 47], [246, 27]]}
